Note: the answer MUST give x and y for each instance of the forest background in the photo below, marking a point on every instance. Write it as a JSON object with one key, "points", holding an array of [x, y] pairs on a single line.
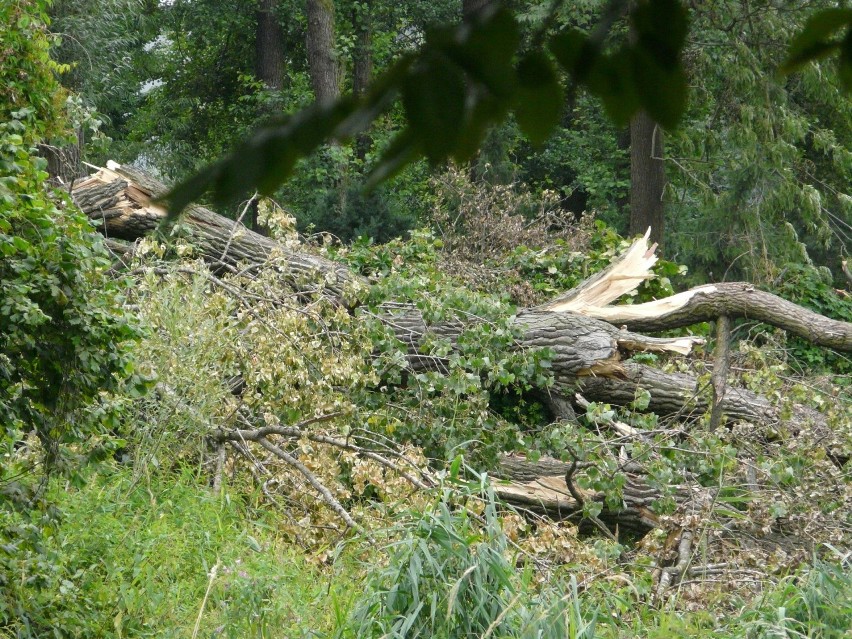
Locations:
{"points": [[751, 184]]}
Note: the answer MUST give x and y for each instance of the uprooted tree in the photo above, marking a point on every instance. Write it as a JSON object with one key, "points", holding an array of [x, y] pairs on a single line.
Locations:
{"points": [[590, 342]]}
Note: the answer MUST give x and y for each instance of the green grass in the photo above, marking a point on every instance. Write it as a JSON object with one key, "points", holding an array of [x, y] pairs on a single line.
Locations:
{"points": [[133, 559]]}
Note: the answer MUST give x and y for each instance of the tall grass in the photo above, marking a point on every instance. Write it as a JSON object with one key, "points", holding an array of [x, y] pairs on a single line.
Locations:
{"points": [[134, 559], [451, 576]]}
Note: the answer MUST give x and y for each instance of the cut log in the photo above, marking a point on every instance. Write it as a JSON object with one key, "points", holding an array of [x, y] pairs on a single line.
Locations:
{"points": [[540, 487]]}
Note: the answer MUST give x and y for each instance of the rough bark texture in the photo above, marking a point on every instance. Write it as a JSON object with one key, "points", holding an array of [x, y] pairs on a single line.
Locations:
{"points": [[122, 209], [647, 177], [540, 487], [322, 59], [64, 163], [362, 71], [682, 395], [721, 367], [269, 46], [588, 355], [362, 62]]}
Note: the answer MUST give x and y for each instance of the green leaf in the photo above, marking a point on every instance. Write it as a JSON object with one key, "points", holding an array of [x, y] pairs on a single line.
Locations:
{"points": [[266, 159], [575, 53], [485, 111], [486, 48], [434, 100], [661, 27], [539, 99], [397, 156], [812, 42], [662, 90], [611, 79]]}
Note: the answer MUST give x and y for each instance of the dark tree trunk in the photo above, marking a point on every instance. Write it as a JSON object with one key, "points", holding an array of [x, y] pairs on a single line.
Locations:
{"points": [[269, 68], [322, 59], [269, 46], [362, 73], [362, 18], [64, 163], [647, 177]]}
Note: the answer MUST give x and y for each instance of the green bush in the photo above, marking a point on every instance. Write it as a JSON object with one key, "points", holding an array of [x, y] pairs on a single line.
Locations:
{"points": [[66, 340], [65, 335]]}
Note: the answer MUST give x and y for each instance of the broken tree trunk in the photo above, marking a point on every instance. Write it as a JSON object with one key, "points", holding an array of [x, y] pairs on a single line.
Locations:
{"points": [[540, 487], [591, 340], [120, 202]]}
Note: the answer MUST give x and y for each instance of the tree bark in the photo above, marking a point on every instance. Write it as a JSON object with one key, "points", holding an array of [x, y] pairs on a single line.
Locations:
{"points": [[682, 395], [64, 163], [362, 72], [721, 368], [647, 177], [322, 59], [270, 68], [736, 300], [540, 487], [269, 46], [119, 202]]}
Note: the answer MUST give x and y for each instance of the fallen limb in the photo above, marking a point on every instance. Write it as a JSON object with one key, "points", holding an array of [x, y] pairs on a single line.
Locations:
{"points": [[683, 395], [734, 300], [591, 341]]}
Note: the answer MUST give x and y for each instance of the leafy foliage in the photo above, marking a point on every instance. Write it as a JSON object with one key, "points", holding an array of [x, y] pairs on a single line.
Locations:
{"points": [[816, 42], [462, 81], [65, 335], [812, 288]]}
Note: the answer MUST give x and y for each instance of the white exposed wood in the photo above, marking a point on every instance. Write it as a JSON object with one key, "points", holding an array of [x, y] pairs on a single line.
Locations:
{"points": [[657, 308], [619, 278]]}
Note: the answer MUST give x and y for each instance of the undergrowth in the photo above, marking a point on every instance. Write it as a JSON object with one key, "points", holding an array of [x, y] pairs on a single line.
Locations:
{"points": [[134, 556], [160, 555]]}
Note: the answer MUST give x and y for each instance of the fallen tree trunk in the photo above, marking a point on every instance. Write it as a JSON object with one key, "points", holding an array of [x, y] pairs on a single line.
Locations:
{"points": [[680, 394], [580, 327], [731, 299], [591, 342], [120, 202]]}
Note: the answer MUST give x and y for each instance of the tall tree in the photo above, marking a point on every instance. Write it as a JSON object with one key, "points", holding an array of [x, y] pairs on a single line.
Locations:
{"points": [[362, 58], [647, 177], [647, 172], [269, 46], [270, 69], [323, 64], [362, 61]]}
